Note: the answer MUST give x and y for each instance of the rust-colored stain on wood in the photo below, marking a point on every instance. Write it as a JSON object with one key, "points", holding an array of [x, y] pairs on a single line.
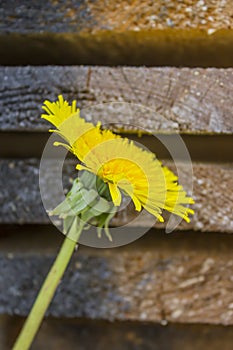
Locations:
{"points": [[209, 15]]}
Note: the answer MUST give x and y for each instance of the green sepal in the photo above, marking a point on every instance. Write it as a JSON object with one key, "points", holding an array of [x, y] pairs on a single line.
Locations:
{"points": [[67, 222], [82, 200], [76, 186], [63, 207], [88, 202], [88, 179], [103, 223], [97, 209], [74, 227]]}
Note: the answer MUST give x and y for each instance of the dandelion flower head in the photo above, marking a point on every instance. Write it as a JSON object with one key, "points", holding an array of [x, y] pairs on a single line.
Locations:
{"points": [[125, 167]]}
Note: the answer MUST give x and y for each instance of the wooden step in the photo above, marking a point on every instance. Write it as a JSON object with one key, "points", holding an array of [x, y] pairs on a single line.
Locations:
{"points": [[183, 278], [88, 16], [21, 200], [197, 33], [155, 100]]}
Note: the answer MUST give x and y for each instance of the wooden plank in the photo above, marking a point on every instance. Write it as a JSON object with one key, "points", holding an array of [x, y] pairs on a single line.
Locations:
{"points": [[168, 280], [21, 201], [82, 334], [156, 100], [113, 33], [90, 16]]}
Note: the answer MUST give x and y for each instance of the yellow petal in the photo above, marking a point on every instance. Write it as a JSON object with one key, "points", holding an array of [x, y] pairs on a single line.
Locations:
{"points": [[115, 193], [137, 203], [81, 167]]}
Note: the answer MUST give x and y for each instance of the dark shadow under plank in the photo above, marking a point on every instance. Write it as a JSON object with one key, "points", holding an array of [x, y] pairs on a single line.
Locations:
{"points": [[82, 334], [169, 47], [203, 148]]}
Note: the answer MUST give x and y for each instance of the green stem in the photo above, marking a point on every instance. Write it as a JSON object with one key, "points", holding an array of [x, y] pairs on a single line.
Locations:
{"points": [[45, 295]]}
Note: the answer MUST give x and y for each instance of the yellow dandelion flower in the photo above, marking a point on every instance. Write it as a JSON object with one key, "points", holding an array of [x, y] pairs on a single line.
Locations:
{"points": [[59, 111], [121, 164], [80, 135]]}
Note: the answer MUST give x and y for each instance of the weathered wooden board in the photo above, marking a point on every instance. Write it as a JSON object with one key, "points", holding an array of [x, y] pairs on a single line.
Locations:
{"points": [[68, 16], [21, 202], [168, 280], [127, 32], [156, 100]]}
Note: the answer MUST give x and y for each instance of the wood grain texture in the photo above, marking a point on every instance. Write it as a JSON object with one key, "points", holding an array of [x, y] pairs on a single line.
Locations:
{"points": [[155, 100], [92, 16], [166, 282], [21, 201], [152, 33]]}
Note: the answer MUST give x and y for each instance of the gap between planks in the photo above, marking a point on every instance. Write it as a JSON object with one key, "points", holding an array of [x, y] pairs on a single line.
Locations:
{"points": [[169, 47], [202, 148], [82, 334]]}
